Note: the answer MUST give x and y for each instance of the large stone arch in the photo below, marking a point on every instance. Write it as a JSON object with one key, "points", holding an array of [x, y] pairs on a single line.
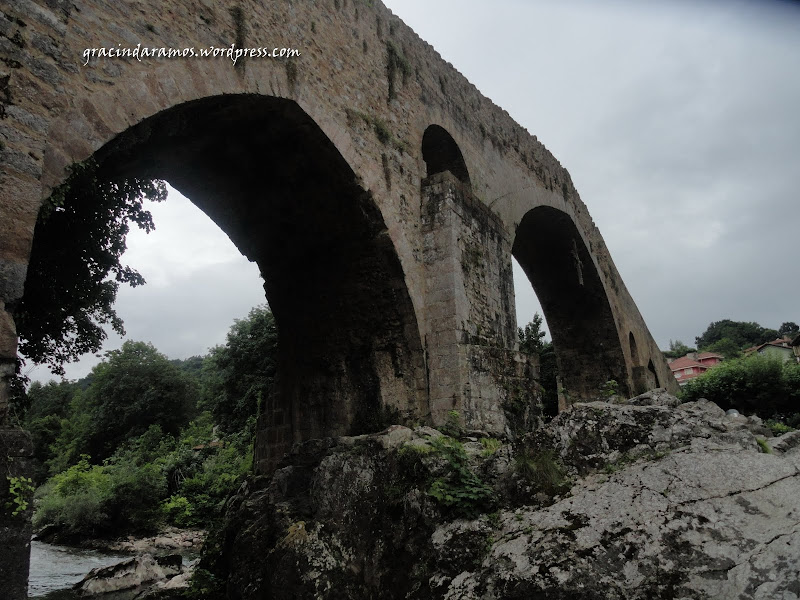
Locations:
{"points": [[261, 168], [553, 254]]}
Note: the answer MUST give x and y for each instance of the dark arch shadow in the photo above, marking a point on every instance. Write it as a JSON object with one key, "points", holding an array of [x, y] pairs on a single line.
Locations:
{"points": [[263, 170], [634, 350], [552, 253], [652, 368], [441, 153]]}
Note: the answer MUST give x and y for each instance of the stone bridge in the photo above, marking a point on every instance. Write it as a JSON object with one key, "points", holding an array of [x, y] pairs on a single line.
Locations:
{"points": [[380, 193]]}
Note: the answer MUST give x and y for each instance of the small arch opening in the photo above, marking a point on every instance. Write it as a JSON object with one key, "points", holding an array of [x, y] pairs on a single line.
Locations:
{"points": [[441, 153], [633, 348], [652, 368]]}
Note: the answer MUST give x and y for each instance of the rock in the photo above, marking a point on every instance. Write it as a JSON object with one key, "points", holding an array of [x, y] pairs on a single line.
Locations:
{"points": [[656, 397], [788, 442], [170, 538], [664, 502], [129, 574], [178, 582]]}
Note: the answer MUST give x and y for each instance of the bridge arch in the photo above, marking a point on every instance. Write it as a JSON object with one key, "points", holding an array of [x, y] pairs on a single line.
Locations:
{"points": [[441, 153], [552, 253], [267, 174]]}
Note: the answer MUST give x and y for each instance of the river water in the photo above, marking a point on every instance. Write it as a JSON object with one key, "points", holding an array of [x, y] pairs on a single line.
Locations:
{"points": [[54, 569]]}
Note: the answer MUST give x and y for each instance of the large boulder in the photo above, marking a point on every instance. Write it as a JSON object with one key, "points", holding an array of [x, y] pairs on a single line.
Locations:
{"points": [[135, 574], [661, 500]]}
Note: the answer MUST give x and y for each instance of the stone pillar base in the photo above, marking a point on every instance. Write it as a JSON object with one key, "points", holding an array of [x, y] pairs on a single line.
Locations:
{"points": [[16, 461]]}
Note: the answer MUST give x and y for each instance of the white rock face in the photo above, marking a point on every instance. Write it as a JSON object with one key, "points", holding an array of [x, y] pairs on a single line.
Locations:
{"points": [[710, 516], [129, 574]]}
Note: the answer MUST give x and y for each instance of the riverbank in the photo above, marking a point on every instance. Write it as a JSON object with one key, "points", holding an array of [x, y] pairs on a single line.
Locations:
{"points": [[55, 568], [167, 540]]}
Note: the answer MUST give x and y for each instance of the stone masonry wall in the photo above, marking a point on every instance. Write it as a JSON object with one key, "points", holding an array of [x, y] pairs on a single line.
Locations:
{"points": [[472, 363], [16, 460]]}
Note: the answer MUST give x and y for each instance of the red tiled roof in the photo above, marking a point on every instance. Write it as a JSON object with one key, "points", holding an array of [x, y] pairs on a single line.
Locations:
{"points": [[684, 363], [704, 355]]}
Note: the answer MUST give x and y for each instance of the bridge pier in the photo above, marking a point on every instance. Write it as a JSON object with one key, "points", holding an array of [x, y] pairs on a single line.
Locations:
{"points": [[473, 367]]}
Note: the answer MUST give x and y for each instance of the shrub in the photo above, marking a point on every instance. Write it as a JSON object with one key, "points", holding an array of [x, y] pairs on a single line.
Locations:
{"points": [[543, 470], [178, 511], [490, 446], [609, 389], [75, 500], [777, 427], [460, 490], [755, 384], [136, 494]]}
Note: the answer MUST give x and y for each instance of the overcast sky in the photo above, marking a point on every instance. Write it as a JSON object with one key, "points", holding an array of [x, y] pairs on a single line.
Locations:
{"points": [[678, 121]]}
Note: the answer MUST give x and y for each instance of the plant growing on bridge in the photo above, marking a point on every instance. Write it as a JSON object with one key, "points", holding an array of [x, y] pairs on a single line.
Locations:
{"points": [[20, 492], [75, 266]]}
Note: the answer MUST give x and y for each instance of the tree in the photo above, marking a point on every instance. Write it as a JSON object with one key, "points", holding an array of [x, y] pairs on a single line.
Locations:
{"points": [[740, 333], [677, 349], [133, 388], [49, 407], [241, 373], [75, 266], [531, 338], [726, 347], [531, 341], [788, 329]]}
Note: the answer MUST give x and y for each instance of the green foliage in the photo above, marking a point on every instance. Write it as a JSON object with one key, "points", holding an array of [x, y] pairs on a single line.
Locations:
{"points": [[20, 492], [149, 479], [738, 333], [763, 446], [548, 378], [49, 405], [543, 470], [726, 347], [678, 349], [755, 384], [789, 329], [134, 411], [240, 374], [136, 494], [609, 389], [452, 426], [382, 131], [531, 341], [75, 270], [134, 388], [380, 127], [531, 338], [490, 446], [460, 490], [75, 500], [88, 500], [778, 428], [178, 511], [205, 585]]}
